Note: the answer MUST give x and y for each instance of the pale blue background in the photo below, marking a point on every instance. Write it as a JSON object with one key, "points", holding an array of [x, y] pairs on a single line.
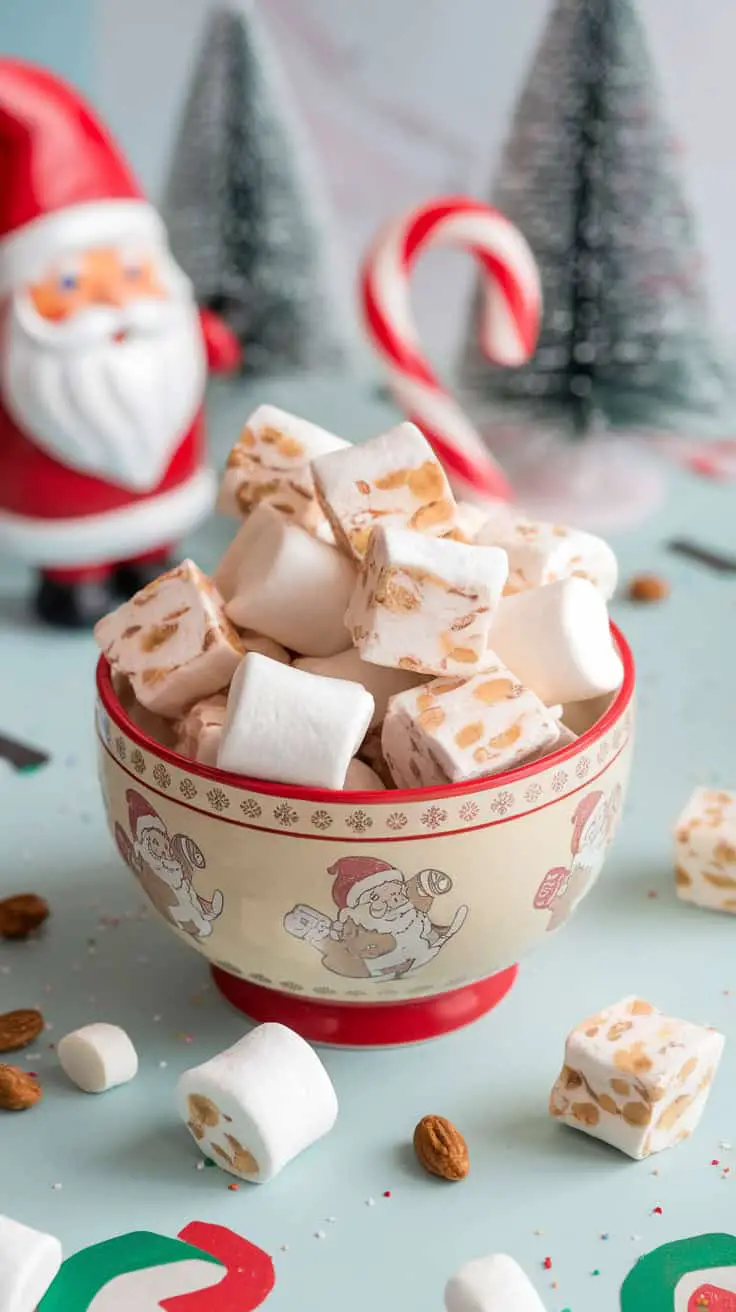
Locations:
{"points": [[126, 1162]]}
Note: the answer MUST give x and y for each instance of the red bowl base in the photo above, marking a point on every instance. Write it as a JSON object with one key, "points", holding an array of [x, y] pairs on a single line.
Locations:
{"points": [[367, 1025]]}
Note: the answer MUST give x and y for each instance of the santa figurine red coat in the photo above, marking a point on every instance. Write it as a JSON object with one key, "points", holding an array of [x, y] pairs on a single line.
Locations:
{"points": [[103, 360]]}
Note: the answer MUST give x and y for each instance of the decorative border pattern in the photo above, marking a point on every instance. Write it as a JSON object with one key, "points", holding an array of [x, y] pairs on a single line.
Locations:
{"points": [[365, 821]]}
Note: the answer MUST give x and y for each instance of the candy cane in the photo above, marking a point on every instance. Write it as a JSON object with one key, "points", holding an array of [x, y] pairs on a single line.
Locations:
{"points": [[509, 324]]}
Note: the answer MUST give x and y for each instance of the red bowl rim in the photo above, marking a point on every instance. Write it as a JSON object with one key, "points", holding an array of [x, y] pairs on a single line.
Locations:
{"points": [[394, 796]]}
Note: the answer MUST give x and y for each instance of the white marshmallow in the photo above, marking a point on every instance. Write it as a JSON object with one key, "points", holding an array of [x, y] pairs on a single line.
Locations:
{"points": [[256, 1106], [291, 587], [581, 716], [98, 1057], [198, 733], [173, 641], [705, 850], [381, 682], [425, 604], [292, 727], [635, 1078], [395, 479], [453, 729], [491, 1284], [270, 464], [29, 1264], [557, 640], [360, 778], [541, 553]]}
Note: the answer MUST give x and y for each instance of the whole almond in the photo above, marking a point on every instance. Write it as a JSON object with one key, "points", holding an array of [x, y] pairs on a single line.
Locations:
{"points": [[19, 1028], [18, 1089], [21, 914], [441, 1148]]}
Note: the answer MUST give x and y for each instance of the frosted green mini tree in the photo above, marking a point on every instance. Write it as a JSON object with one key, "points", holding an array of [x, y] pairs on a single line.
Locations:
{"points": [[590, 177]]}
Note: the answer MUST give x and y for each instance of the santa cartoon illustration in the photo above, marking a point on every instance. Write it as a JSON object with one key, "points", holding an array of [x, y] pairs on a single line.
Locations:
{"points": [[103, 360], [594, 821], [165, 867], [383, 928]]}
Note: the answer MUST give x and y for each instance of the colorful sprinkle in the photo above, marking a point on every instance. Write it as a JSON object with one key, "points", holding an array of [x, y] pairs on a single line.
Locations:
{"points": [[657, 1211], [233, 1188], [547, 1263]]}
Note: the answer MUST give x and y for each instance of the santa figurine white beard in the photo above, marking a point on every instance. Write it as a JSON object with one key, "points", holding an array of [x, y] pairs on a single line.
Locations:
{"points": [[416, 941], [111, 390]]}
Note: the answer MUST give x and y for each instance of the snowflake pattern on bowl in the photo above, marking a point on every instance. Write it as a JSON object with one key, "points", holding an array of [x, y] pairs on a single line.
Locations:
{"points": [[321, 819], [359, 821], [260, 979], [285, 815], [161, 775], [325, 992], [355, 993], [583, 767], [502, 803], [559, 779], [434, 817], [188, 788], [469, 811], [289, 986], [397, 820], [218, 800], [533, 793], [120, 748], [252, 810], [138, 762]]}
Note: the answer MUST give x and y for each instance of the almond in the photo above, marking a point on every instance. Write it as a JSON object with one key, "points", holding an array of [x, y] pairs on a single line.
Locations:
{"points": [[441, 1148], [19, 1028], [21, 914], [18, 1089], [648, 588]]}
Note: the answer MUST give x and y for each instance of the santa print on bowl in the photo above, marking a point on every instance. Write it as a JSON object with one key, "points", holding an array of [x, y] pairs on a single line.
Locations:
{"points": [[594, 822], [383, 929]]}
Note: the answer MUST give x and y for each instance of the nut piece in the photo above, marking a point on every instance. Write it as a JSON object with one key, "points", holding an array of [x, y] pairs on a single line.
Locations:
{"points": [[20, 915], [18, 1089], [648, 588], [19, 1028], [441, 1148]]}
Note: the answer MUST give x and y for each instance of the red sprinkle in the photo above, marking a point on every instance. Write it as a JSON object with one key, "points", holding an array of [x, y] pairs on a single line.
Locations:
{"points": [[547, 1263], [233, 1188], [387, 1194], [657, 1211], [715, 1162]]}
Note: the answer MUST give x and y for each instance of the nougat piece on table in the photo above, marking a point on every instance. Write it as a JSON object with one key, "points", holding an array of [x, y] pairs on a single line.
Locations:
{"points": [[271, 462], [395, 479], [173, 641], [705, 850], [452, 729], [636, 1078], [541, 553], [426, 604]]}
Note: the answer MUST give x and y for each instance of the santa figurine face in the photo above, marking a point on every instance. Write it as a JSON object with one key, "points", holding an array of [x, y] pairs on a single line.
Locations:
{"points": [[104, 362]]}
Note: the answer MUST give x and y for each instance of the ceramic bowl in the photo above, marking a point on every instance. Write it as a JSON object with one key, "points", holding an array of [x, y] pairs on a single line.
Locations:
{"points": [[365, 918]]}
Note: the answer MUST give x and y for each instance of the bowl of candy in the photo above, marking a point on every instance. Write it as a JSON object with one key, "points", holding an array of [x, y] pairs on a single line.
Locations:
{"points": [[381, 753]]}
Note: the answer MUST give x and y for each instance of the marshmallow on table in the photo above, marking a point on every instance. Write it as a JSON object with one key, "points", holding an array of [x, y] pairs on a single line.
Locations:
{"points": [[198, 733], [453, 729], [173, 640], [270, 464], [29, 1264], [380, 682], [257, 1105], [541, 553], [290, 586], [292, 727], [705, 856], [425, 604], [361, 778], [98, 1057], [491, 1284], [393, 479], [635, 1078], [557, 639]]}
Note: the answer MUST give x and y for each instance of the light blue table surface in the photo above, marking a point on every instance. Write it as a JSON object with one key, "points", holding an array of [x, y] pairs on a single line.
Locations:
{"points": [[535, 1190]]}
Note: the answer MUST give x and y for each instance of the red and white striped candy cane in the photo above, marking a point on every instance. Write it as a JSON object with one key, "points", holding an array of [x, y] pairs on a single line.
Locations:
{"points": [[508, 329]]}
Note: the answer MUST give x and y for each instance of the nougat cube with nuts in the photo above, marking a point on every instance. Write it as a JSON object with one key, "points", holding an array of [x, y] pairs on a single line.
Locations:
{"points": [[705, 850], [199, 731], [270, 462], [455, 728], [394, 479], [173, 641], [425, 604], [636, 1078], [541, 553]]}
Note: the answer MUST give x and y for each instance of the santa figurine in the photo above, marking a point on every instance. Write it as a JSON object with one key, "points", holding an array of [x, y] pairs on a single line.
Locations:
{"points": [[103, 362]]}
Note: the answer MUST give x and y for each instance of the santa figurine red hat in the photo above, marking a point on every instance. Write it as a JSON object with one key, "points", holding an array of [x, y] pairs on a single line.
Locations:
{"points": [[141, 816], [355, 875], [103, 359]]}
